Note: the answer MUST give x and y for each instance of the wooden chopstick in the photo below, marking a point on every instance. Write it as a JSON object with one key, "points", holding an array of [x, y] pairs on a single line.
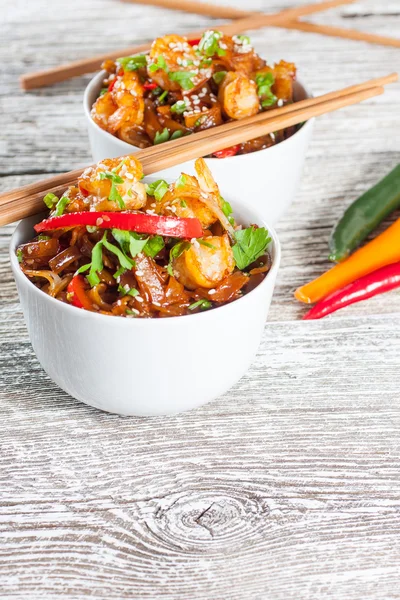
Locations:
{"points": [[227, 12], [341, 32], [31, 81], [292, 22], [28, 200], [199, 8]]}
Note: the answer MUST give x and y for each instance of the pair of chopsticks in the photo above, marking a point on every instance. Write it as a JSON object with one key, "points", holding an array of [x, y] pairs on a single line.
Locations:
{"points": [[28, 200], [245, 21], [291, 22]]}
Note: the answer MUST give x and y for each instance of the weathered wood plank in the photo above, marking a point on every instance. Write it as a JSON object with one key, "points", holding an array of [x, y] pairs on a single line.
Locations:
{"points": [[288, 486]]}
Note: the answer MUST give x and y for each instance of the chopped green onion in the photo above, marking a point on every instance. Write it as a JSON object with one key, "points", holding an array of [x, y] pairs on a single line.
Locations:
{"points": [[219, 76], [60, 207], [157, 189], [20, 258], [181, 181], [159, 64], [209, 44], [50, 199], [177, 134], [203, 304], [132, 63], [207, 244], [184, 78], [162, 137], [179, 107], [163, 95]]}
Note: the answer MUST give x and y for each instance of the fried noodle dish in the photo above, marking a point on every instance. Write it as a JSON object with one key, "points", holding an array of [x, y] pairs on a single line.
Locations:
{"points": [[182, 87], [117, 246]]}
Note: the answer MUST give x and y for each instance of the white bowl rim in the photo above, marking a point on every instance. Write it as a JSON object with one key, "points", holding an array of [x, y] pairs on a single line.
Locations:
{"points": [[96, 80], [146, 322]]}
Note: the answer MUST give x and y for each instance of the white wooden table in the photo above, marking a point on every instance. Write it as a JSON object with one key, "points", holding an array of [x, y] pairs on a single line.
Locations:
{"points": [[286, 487]]}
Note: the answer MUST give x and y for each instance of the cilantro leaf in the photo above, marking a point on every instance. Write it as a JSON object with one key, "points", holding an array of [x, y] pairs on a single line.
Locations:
{"points": [[96, 265], [114, 195], [154, 244], [251, 243], [136, 244], [203, 304], [227, 210], [124, 260], [184, 78], [157, 189], [132, 63], [176, 252], [129, 241], [162, 137]]}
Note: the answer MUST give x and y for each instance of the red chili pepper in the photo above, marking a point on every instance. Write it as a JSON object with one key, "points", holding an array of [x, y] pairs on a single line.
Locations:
{"points": [[150, 85], [76, 288], [129, 221], [380, 281], [194, 42], [111, 85], [227, 152]]}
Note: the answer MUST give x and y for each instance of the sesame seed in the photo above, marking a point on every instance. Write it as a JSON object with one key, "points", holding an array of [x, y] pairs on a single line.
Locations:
{"points": [[139, 299], [156, 304], [106, 218], [211, 292], [139, 274], [129, 176], [280, 102], [99, 221], [204, 109]]}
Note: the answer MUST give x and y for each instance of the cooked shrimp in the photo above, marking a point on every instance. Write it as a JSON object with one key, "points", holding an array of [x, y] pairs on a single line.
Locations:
{"points": [[96, 183], [127, 88], [205, 265], [178, 55], [102, 110], [238, 96], [195, 197], [183, 199], [239, 55]]}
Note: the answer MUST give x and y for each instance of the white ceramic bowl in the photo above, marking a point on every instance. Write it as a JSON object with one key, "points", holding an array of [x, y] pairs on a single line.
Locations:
{"points": [[268, 179], [144, 367]]}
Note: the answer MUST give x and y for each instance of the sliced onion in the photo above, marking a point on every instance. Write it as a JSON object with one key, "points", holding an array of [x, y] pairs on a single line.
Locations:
{"points": [[53, 279]]}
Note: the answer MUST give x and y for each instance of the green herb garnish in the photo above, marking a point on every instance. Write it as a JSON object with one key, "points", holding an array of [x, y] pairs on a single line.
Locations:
{"points": [[131, 292], [115, 179], [163, 95], [132, 63], [227, 210], [206, 244], [176, 252], [159, 64], [154, 244], [251, 243], [60, 206], [209, 44], [103, 91], [20, 257], [162, 137], [183, 204], [184, 78], [179, 107], [124, 260], [264, 82], [219, 77], [244, 39], [177, 134], [96, 265], [181, 181], [50, 200], [203, 304], [157, 189]]}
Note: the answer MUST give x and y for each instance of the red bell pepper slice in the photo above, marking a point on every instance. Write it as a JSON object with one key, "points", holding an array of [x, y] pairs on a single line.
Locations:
{"points": [[380, 281], [227, 152], [150, 85], [129, 221], [111, 86], [76, 288], [195, 42]]}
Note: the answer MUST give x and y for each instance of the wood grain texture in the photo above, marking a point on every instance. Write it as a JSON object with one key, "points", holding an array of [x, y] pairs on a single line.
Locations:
{"points": [[286, 487]]}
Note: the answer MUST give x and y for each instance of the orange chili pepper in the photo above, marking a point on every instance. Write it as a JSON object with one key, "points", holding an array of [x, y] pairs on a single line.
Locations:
{"points": [[383, 250]]}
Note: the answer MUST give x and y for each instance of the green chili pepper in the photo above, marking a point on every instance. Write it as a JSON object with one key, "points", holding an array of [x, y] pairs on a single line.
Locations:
{"points": [[364, 215]]}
